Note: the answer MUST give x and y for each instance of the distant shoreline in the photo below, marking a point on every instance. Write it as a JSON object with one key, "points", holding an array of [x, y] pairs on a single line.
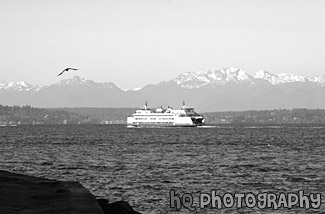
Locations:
{"points": [[20, 115]]}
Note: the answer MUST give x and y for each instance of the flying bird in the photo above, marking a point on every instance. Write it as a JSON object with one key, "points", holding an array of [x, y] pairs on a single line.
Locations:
{"points": [[67, 69]]}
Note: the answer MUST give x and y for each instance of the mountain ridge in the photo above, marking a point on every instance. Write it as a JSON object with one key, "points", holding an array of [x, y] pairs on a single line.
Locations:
{"points": [[191, 79], [236, 75], [212, 90]]}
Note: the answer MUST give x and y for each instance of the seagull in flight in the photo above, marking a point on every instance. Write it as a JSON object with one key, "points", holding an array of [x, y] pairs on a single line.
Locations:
{"points": [[67, 69]]}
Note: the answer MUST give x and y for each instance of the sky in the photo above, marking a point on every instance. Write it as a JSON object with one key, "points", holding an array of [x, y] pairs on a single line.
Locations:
{"points": [[133, 43]]}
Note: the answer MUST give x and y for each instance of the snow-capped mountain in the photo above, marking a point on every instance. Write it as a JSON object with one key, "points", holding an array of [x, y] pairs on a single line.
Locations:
{"points": [[320, 80], [134, 89], [222, 89], [214, 77], [19, 86], [72, 82], [80, 81], [190, 80], [289, 77], [76, 91], [237, 76], [76, 80], [271, 78], [280, 78]]}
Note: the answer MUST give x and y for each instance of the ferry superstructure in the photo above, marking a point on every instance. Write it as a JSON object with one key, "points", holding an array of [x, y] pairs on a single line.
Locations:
{"points": [[184, 117]]}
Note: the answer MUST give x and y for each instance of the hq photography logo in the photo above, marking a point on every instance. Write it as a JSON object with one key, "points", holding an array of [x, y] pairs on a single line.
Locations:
{"points": [[264, 200]]}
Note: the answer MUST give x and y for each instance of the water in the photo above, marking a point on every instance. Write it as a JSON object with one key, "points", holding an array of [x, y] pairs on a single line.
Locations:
{"points": [[141, 166]]}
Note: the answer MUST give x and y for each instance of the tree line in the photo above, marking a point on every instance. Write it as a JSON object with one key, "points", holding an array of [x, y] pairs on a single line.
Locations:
{"points": [[19, 115], [276, 116]]}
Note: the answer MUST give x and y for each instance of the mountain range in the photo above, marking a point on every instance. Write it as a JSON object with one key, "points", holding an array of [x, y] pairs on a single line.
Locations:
{"points": [[225, 89]]}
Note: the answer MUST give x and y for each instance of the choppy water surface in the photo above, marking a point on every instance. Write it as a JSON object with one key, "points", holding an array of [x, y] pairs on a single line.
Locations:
{"points": [[143, 165]]}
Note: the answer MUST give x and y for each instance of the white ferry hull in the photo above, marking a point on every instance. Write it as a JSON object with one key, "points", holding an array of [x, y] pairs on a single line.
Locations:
{"points": [[177, 122], [158, 125]]}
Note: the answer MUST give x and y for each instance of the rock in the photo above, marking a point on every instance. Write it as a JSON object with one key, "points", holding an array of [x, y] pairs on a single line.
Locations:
{"points": [[103, 203], [33, 195], [120, 207]]}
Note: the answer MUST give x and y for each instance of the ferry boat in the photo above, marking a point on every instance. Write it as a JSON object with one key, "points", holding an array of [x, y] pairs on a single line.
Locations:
{"points": [[184, 117]]}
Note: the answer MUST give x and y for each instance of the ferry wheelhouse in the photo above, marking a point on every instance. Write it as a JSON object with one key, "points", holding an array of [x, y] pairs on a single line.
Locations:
{"points": [[184, 117]]}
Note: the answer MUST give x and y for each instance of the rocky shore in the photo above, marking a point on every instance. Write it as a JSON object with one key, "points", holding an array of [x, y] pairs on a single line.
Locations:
{"points": [[28, 194]]}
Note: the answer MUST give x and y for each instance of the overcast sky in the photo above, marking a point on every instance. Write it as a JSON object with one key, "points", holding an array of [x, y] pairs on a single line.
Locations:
{"points": [[136, 42]]}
